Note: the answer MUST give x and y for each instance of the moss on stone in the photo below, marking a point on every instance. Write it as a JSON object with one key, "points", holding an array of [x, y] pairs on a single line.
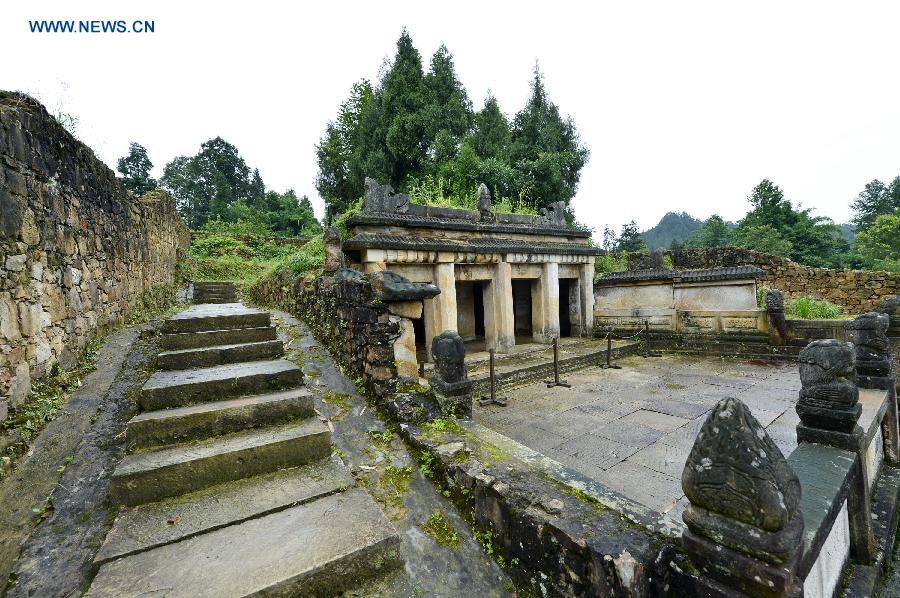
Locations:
{"points": [[441, 530]]}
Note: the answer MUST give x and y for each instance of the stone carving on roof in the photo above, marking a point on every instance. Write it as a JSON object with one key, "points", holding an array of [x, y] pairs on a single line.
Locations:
{"points": [[486, 214], [554, 214], [381, 198]]}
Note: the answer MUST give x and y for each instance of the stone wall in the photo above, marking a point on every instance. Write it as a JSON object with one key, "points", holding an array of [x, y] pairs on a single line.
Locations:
{"points": [[857, 291], [343, 313], [77, 250]]}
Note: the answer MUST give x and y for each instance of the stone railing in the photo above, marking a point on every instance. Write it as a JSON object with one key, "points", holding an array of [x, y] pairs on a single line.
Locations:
{"points": [[77, 250], [760, 524]]}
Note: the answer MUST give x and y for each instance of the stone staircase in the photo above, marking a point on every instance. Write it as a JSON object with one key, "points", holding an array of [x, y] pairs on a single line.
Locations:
{"points": [[214, 292], [228, 486]]}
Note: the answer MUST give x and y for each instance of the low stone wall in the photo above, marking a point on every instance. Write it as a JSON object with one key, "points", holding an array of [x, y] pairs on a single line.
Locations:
{"points": [[274, 239], [342, 312], [77, 250], [857, 291]]}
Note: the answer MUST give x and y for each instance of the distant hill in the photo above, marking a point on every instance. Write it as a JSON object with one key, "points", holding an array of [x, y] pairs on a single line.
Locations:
{"points": [[673, 226], [848, 231]]}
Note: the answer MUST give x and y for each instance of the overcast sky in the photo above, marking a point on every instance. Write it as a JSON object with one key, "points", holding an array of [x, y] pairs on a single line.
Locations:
{"points": [[684, 105]]}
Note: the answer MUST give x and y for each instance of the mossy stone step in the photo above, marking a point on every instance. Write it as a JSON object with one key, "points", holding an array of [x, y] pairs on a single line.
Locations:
{"points": [[150, 525], [179, 388], [197, 422], [203, 357], [196, 340], [154, 475], [315, 549], [223, 316]]}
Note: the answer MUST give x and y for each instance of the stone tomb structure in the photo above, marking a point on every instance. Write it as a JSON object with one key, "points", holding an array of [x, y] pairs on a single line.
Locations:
{"points": [[503, 278]]}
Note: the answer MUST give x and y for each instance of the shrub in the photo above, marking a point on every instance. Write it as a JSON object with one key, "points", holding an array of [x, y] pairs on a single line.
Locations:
{"points": [[807, 308], [611, 262]]}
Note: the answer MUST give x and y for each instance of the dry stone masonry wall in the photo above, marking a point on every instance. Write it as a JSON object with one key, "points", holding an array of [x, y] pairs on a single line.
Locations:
{"points": [[857, 291], [77, 250]]}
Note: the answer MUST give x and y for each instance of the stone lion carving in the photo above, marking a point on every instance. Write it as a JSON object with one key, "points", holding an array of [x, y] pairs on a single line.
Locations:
{"points": [[829, 399], [381, 198]]}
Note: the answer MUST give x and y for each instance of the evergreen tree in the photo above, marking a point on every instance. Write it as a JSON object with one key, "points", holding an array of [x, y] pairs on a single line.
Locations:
{"points": [[712, 233], [546, 149], [135, 169], [491, 136], [630, 239], [449, 108], [256, 193], [875, 199]]}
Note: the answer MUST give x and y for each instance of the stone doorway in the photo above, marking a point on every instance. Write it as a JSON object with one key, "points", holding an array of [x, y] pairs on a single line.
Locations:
{"points": [[566, 288], [522, 308], [470, 310]]}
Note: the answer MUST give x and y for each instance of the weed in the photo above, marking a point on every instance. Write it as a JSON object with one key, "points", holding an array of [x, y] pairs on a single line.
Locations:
{"points": [[441, 530]]}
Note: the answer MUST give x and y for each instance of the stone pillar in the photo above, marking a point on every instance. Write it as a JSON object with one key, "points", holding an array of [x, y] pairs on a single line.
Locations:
{"points": [[333, 254], [499, 323], [868, 333], [775, 319], [440, 311], [891, 307], [829, 409], [745, 529], [451, 386], [586, 290], [545, 304]]}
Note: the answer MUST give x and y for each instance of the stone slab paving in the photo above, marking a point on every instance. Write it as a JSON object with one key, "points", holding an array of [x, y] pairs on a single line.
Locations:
{"points": [[631, 429]]}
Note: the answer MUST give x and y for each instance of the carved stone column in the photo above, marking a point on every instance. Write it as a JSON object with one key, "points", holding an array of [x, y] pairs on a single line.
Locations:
{"points": [[873, 369], [586, 290], [775, 318], [499, 323], [451, 386], [829, 409], [744, 525], [546, 310]]}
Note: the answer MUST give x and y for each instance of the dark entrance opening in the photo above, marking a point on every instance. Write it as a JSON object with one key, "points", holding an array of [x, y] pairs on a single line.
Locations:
{"points": [[565, 320], [478, 300], [521, 291], [419, 331]]}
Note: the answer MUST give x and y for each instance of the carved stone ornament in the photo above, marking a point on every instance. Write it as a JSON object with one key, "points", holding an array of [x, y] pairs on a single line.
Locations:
{"points": [[829, 399], [868, 333], [484, 204], [774, 301], [449, 353], [743, 493], [554, 214], [381, 198]]}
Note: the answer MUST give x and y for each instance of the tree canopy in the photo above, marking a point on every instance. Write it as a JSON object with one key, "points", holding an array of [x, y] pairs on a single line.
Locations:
{"points": [[135, 169], [417, 130]]}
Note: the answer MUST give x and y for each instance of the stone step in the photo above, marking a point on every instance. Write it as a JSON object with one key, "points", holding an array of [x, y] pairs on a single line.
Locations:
{"points": [[223, 316], [197, 340], [214, 300], [150, 525], [155, 475], [197, 422], [319, 548], [204, 357], [179, 388]]}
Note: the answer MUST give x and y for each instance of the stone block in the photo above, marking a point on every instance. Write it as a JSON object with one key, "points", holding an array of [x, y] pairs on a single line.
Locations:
{"points": [[15, 263], [30, 318], [406, 309], [9, 319]]}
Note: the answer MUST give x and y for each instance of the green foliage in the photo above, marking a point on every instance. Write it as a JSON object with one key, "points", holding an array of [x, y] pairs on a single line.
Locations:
{"points": [[874, 200], [671, 228], [630, 239], [807, 308], [761, 292], [774, 226], [879, 244], [713, 232], [611, 262], [216, 185], [135, 169], [417, 131], [438, 526], [309, 258]]}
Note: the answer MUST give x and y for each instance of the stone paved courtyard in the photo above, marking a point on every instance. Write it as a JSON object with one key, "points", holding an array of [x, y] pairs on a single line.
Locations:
{"points": [[631, 429]]}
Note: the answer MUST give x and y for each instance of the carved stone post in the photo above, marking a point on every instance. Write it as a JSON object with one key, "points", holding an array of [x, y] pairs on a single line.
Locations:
{"points": [[451, 386], [873, 369], [333, 254], [829, 409], [775, 318], [891, 307], [744, 526]]}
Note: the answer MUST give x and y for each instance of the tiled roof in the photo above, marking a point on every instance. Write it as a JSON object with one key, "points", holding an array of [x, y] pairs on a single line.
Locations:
{"points": [[711, 274], [447, 222], [478, 245]]}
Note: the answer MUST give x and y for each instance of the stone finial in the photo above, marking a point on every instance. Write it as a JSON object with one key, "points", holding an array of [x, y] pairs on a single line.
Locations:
{"points": [[333, 253], [743, 493], [449, 354], [891, 307], [381, 198], [484, 204], [774, 301], [829, 399], [868, 333]]}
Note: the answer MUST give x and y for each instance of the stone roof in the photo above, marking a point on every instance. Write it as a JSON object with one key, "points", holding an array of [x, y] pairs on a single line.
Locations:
{"points": [[465, 220], [711, 274], [474, 245]]}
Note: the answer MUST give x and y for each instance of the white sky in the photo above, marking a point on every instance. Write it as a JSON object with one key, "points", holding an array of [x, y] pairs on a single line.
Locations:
{"points": [[684, 105]]}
